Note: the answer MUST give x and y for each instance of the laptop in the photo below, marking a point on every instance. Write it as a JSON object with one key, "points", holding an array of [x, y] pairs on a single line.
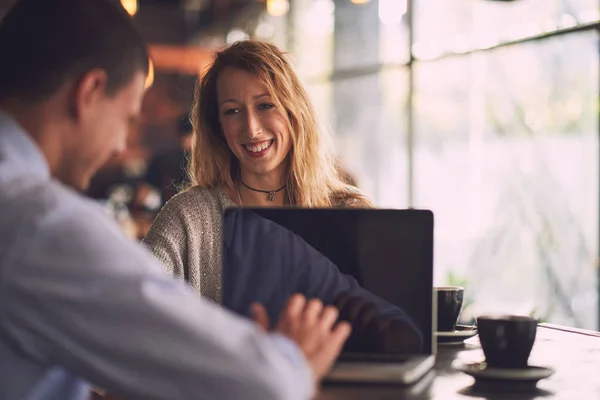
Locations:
{"points": [[384, 255]]}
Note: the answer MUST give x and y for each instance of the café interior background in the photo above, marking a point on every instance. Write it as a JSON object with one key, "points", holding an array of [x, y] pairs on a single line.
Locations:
{"points": [[484, 111]]}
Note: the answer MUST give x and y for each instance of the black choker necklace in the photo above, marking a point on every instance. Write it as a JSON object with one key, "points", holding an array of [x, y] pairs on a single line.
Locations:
{"points": [[271, 193]]}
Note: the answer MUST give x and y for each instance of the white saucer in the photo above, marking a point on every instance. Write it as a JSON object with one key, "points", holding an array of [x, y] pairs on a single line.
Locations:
{"points": [[461, 334], [480, 371]]}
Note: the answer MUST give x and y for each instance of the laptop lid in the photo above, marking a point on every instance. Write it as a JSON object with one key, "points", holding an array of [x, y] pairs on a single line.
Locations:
{"points": [[271, 253]]}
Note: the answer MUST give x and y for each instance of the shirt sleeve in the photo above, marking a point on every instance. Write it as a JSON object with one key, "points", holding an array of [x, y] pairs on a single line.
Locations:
{"points": [[77, 293]]}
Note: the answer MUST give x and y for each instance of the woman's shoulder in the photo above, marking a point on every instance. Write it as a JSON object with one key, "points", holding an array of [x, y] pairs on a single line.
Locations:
{"points": [[197, 200], [194, 195]]}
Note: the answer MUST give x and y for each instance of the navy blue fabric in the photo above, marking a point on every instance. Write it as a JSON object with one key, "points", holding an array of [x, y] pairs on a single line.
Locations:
{"points": [[267, 263]]}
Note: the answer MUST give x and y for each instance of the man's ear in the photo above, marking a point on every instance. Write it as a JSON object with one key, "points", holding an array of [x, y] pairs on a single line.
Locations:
{"points": [[87, 92]]}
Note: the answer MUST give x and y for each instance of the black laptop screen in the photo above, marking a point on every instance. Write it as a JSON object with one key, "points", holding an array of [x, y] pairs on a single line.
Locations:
{"points": [[376, 265]]}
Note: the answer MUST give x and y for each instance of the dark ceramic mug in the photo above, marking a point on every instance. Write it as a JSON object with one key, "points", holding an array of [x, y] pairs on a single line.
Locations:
{"points": [[506, 340], [449, 305]]}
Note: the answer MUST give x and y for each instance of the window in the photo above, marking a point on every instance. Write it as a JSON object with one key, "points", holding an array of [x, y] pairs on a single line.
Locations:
{"points": [[489, 117], [443, 26], [370, 134], [506, 156]]}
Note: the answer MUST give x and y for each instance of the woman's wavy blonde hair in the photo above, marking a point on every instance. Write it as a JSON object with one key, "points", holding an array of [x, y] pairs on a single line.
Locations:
{"points": [[313, 178]]}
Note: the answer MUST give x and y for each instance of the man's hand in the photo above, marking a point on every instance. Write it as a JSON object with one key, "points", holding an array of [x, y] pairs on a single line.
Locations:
{"points": [[313, 327]]}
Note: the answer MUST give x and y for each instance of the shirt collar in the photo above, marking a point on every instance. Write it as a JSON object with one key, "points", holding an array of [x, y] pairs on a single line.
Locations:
{"points": [[18, 149]]}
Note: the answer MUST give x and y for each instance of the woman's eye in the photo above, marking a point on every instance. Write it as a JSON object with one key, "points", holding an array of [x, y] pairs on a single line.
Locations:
{"points": [[231, 111], [266, 106]]}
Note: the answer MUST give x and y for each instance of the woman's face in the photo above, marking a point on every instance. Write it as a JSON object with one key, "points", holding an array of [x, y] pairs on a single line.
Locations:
{"points": [[255, 129]]}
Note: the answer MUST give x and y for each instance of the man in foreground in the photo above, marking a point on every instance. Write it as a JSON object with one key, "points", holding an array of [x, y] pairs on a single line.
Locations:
{"points": [[79, 303]]}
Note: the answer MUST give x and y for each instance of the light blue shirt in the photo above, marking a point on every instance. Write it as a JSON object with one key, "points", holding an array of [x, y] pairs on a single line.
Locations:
{"points": [[81, 304]]}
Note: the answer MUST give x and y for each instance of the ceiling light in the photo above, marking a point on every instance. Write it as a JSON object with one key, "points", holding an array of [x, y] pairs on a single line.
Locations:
{"points": [[131, 6], [277, 8]]}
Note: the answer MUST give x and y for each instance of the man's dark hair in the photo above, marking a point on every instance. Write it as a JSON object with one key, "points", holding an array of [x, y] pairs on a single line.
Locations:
{"points": [[47, 43]]}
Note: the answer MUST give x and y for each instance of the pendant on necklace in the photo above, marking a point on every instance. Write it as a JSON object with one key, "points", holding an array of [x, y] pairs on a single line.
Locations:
{"points": [[272, 195]]}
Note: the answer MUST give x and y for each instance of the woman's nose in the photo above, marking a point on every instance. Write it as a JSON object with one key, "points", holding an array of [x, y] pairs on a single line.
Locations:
{"points": [[253, 126]]}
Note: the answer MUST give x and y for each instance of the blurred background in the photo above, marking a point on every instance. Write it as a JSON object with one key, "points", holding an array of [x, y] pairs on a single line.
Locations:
{"points": [[486, 112]]}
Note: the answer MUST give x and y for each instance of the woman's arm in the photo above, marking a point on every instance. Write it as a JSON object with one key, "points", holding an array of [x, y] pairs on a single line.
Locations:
{"points": [[168, 240]]}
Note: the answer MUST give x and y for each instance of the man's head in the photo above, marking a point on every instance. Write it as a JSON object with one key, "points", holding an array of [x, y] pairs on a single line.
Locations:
{"points": [[73, 75]]}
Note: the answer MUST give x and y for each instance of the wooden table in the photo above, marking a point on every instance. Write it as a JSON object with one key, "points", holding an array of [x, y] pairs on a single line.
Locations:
{"points": [[574, 354]]}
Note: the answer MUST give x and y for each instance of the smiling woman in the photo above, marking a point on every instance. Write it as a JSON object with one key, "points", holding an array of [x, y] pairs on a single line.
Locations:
{"points": [[256, 143], [255, 124], [255, 131]]}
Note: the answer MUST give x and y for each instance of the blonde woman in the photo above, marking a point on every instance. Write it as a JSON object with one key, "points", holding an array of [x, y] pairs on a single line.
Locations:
{"points": [[256, 143]]}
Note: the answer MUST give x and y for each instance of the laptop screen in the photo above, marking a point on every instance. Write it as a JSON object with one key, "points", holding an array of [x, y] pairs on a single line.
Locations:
{"points": [[375, 265]]}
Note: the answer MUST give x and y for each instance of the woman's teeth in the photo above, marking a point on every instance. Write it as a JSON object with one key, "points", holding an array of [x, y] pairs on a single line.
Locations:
{"points": [[260, 147]]}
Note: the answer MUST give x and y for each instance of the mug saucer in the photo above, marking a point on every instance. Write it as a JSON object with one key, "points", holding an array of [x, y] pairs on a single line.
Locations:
{"points": [[462, 333], [482, 372]]}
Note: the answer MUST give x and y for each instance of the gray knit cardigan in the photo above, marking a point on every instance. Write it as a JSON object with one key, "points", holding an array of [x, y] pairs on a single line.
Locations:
{"points": [[187, 238]]}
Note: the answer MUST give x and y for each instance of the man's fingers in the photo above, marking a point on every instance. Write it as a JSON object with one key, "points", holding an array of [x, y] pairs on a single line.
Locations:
{"points": [[328, 317], [259, 314], [293, 310], [331, 347], [313, 327], [341, 332], [312, 312], [338, 337]]}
